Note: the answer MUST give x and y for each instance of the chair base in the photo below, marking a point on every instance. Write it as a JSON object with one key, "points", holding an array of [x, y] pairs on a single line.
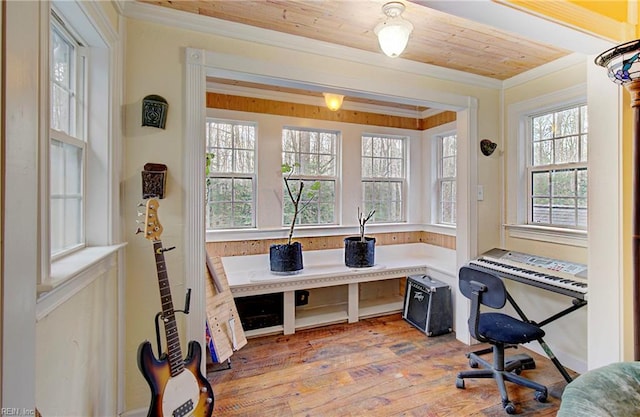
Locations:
{"points": [[503, 370]]}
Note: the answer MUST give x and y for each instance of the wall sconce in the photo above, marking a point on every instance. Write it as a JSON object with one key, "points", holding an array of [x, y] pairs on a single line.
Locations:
{"points": [[393, 33], [333, 101], [154, 111], [487, 147]]}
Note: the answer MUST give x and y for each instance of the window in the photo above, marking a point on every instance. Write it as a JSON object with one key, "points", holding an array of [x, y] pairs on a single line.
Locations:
{"points": [[67, 152], [447, 168], [231, 170], [313, 154], [557, 168], [383, 176]]}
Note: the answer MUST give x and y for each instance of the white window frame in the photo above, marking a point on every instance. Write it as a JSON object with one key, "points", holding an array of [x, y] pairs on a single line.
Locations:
{"points": [[551, 168], [517, 179], [402, 180], [441, 179], [77, 134], [309, 179], [239, 175], [103, 76]]}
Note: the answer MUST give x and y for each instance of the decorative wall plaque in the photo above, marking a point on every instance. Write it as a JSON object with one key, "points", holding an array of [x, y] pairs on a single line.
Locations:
{"points": [[154, 180], [154, 111]]}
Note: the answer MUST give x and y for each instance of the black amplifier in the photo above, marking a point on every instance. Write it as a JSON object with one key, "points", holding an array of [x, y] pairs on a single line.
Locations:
{"points": [[427, 305]]}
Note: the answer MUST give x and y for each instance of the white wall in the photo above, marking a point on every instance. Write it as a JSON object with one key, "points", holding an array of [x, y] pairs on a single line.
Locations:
{"points": [[77, 351], [75, 341]]}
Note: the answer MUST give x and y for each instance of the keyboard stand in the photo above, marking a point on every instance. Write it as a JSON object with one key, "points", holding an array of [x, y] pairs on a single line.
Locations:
{"points": [[577, 303]]}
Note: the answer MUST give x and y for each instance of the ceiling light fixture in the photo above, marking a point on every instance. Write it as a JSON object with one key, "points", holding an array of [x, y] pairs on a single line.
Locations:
{"points": [[393, 33], [333, 101]]}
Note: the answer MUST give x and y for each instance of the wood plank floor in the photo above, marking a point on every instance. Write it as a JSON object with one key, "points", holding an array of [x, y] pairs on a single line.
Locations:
{"points": [[377, 367]]}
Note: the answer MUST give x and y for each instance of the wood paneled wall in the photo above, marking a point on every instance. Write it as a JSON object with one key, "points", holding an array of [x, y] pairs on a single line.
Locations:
{"points": [[283, 108], [257, 247]]}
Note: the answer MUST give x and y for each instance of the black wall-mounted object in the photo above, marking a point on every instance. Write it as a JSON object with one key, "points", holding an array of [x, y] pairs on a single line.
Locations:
{"points": [[487, 147], [154, 180], [154, 111]]}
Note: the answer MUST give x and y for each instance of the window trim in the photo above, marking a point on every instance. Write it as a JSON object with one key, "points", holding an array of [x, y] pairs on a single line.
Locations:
{"points": [[550, 168], [103, 154], [403, 180], [430, 199], [440, 179], [77, 135], [516, 178]]}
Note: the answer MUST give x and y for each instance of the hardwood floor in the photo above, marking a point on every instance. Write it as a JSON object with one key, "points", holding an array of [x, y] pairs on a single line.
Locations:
{"points": [[377, 367]]}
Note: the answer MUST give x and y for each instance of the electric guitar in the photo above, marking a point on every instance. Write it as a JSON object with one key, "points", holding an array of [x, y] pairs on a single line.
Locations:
{"points": [[178, 388]]}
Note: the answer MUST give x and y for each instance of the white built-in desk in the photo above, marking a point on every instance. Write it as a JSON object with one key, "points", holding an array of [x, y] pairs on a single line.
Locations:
{"points": [[325, 269]]}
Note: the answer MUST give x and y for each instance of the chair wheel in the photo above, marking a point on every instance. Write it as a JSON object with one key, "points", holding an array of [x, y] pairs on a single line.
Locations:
{"points": [[460, 383], [518, 371], [473, 363], [510, 408], [541, 397]]}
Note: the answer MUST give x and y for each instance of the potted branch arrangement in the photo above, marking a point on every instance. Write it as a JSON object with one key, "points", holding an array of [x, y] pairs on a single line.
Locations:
{"points": [[359, 251], [286, 258]]}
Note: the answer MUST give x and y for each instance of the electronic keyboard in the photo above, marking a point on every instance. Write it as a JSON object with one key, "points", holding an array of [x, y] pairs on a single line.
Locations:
{"points": [[562, 277]]}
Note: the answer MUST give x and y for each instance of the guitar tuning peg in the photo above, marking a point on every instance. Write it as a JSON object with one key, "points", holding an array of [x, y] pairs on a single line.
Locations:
{"points": [[140, 214], [138, 231], [141, 204]]}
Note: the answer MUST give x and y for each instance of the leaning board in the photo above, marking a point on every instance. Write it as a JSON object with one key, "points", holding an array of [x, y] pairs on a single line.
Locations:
{"points": [[226, 330]]}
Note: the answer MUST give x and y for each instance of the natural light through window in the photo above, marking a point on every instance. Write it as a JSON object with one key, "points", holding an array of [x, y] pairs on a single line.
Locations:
{"points": [[383, 177], [447, 169], [67, 140], [230, 182], [313, 155], [558, 168]]}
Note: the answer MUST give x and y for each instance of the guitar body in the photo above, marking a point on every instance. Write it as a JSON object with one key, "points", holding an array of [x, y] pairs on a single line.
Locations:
{"points": [[185, 394]]}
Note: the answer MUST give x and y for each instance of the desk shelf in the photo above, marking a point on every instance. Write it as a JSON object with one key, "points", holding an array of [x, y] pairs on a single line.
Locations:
{"points": [[380, 306], [321, 315]]}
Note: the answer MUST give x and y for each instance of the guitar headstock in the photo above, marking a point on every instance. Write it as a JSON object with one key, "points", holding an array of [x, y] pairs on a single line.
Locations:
{"points": [[152, 227]]}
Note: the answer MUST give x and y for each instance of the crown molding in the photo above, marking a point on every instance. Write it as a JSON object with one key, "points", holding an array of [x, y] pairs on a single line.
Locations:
{"points": [[213, 26]]}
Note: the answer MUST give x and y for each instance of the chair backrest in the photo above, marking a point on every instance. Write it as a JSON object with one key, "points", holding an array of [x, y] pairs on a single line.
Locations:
{"points": [[481, 288], [493, 293]]}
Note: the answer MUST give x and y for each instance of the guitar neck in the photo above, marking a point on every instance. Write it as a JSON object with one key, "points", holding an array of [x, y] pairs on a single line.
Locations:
{"points": [[174, 352]]}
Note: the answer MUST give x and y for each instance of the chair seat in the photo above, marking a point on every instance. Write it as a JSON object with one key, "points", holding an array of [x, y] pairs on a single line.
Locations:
{"points": [[502, 328]]}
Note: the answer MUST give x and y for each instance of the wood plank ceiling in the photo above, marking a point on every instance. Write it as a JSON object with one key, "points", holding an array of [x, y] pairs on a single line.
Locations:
{"points": [[438, 38]]}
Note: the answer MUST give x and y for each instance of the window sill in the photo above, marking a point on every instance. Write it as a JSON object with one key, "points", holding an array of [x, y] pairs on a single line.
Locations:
{"points": [[307, 231], [548, 234], [440, 228], [71, 274]]}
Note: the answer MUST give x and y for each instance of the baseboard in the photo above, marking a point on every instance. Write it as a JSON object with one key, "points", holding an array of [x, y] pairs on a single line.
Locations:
{"points": [[140, 412], [568, 361]]}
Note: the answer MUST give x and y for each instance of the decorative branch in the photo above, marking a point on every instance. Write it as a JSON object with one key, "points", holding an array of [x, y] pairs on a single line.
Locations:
{"points": [[296, 196], [363, 221]]}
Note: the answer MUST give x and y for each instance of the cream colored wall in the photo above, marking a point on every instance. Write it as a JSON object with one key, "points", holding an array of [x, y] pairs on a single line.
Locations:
{"points": [[567, 336], [77, 352], [154, 65]]}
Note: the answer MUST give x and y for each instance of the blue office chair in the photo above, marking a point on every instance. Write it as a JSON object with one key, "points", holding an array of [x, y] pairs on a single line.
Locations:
{"points": [[501, 331]]}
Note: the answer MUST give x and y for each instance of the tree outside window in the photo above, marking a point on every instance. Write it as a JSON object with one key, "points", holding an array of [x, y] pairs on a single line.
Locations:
{"points": [[558, 168], [313, 153], [383, 177], [230, 183]]}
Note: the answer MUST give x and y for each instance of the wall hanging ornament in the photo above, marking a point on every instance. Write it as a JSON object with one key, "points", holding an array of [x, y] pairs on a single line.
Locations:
{"points": [[154, 180], [154, 111], [487, 147]]}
